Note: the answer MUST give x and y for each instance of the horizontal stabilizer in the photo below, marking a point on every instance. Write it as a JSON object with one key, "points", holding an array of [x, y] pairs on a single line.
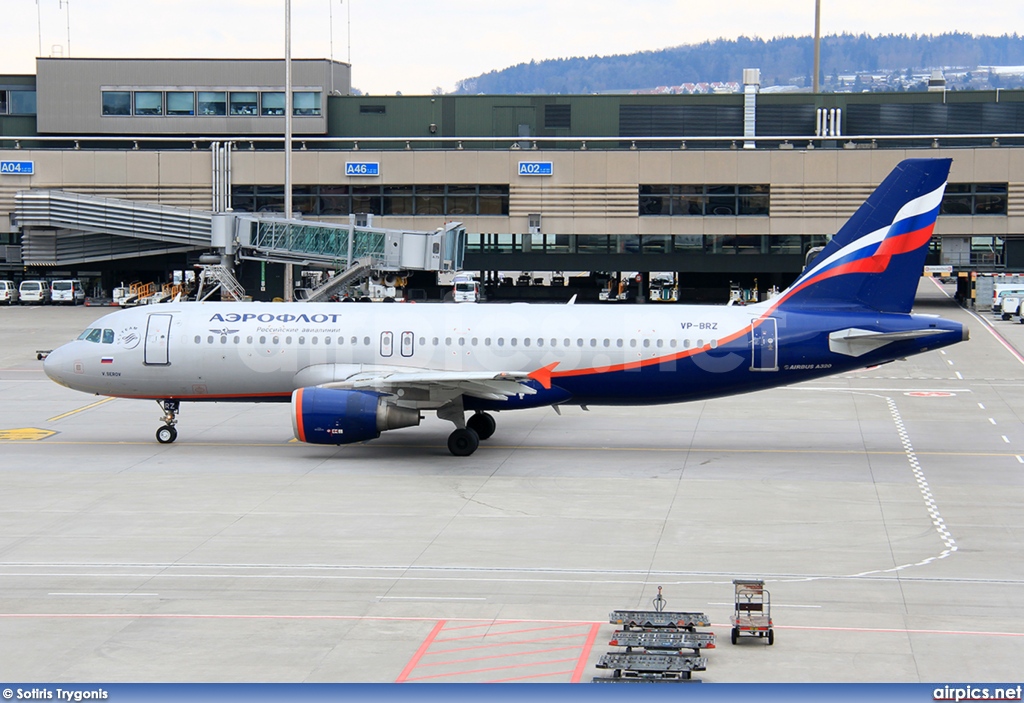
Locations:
{"points": [[857, 342]]}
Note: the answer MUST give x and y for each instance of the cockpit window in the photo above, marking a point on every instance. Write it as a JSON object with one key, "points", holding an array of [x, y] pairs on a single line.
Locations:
{"points": [[95, 334]]}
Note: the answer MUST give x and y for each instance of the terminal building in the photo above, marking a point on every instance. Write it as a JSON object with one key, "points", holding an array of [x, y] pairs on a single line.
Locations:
{"points": [[130, 160]]}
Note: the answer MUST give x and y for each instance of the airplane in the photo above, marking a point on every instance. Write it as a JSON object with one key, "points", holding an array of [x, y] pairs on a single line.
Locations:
{"points": [[352, 371]]}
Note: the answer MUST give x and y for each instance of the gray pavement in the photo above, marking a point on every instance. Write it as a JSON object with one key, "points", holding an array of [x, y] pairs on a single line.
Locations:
{"points": [[881, 507]]}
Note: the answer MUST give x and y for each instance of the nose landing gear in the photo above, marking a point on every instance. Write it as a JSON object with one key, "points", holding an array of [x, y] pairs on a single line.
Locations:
{"points": [[167, 433]]}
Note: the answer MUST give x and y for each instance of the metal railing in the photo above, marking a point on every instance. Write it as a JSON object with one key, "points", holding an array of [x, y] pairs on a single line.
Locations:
{"points": [[515, 143]]}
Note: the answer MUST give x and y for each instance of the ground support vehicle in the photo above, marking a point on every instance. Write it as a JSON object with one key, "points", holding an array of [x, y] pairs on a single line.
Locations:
{"points": [[653, 643], [752, 616]]}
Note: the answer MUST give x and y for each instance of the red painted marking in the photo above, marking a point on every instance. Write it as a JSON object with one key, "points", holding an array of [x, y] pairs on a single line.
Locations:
{"points": [[497, 644], [581, 664], [543, 375], [510, 655], [507, 632], [494, 668], [404, 676], [929, 394]]}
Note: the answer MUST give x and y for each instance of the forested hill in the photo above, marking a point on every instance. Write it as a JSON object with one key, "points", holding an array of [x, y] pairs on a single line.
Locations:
{"points": [[783, 61]]}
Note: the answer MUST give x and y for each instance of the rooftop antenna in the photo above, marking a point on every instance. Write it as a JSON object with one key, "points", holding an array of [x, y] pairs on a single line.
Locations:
{"points": [[39, 26], [66, 4]]}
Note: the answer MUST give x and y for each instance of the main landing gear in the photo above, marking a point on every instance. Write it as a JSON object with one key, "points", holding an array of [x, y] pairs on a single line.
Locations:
{"points": [[167, 433], [468, 433]]}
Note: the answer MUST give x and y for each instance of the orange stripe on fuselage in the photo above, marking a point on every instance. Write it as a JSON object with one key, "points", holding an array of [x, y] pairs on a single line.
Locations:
{"points": [[640, 363]]}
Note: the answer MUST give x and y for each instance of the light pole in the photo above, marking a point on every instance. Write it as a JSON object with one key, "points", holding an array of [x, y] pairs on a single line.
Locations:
{"points": [[288, 285], [817, 45]]}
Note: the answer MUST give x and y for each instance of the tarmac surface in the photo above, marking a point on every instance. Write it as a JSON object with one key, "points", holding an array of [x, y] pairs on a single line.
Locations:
{"points": [[882, 508]]}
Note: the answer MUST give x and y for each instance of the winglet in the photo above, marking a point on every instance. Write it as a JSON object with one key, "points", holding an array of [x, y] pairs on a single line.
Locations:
{"points": [[543, 375]]}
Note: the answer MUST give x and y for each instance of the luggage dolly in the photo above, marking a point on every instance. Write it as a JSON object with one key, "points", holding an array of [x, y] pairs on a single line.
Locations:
{"points": [[753, 614]]}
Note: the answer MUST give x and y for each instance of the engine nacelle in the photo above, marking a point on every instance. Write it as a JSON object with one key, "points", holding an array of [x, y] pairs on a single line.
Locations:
{"points": [[332, 416]]}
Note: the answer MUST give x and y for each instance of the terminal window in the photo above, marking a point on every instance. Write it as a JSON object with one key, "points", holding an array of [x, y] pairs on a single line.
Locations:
{"points": [[271, 103], [149, 102], [180, 103], [212, 102], [117, 102], [243, 103], [704, 200], [306, 103], [22, 102], [974, 199], [3, 102]]}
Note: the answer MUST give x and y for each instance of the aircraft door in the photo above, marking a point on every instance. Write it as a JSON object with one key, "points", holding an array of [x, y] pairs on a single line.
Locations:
{"points": [[158, 334], [407, 343], [387, 343], [764, 345]]}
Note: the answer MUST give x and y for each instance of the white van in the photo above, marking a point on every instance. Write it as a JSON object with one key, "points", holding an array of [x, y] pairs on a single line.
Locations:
{"points": [[68, 291], [8, 293], [465, 289], [1000, 291], [34, 292]]}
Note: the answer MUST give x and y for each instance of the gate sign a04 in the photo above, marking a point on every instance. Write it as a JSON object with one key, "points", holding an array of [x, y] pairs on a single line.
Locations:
{"points": [[17, 168]]}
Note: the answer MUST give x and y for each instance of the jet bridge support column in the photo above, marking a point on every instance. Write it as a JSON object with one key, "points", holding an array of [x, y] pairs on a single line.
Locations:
{"points": [[222, 238]]}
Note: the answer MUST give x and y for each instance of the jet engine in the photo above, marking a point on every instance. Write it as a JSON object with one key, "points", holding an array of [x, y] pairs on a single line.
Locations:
{"points": [[333, 416]]}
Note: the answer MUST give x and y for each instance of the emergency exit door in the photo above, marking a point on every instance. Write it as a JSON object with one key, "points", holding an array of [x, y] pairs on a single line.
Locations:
{"points": [[764, 345]]}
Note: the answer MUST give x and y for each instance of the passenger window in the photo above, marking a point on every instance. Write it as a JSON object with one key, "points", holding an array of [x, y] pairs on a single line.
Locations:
{"points": [[513, 341], [288, 340], [447, 341], [223, 340], [434, 341], [423, 341], [302, 340], [354, 341], [248, 340], [526, 341], [579, 342], [607, 342], [366, 341], [593, 342], [263, 340], [277, 340], [618, 342], [714, 344], [327, 340], [236, 339], [462, 341], [315, 340], [501, 341], [632, 343], [108, 336], [198, 339], [209, 340]]}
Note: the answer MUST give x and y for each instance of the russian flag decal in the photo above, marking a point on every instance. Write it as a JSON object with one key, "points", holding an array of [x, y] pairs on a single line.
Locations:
{"points": [[107, 360]]}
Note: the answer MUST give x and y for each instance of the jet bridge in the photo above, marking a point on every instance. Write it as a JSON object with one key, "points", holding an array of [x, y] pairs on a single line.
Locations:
{"points": [[62, 228]]}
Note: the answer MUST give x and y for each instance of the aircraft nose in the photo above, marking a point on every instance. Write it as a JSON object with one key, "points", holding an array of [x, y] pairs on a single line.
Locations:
{"points": [[57, 364]]}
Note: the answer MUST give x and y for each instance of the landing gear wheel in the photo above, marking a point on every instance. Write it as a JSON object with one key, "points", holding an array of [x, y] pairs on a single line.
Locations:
{"points": [[483, 424], [166, 434], [463, 442]]}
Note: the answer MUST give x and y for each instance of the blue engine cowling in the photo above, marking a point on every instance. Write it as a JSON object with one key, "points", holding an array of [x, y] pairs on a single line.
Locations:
{"points": [[332, 416]]}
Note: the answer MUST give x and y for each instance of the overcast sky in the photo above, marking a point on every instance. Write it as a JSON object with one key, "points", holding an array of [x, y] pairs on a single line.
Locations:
{"points": [[416, 46]]}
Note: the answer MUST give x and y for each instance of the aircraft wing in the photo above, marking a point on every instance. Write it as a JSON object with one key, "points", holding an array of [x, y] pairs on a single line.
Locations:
{"points": [[440, 385]]}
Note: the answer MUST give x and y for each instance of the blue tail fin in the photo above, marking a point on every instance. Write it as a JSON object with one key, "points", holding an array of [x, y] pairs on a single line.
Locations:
{"points": [[877, 258]]}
